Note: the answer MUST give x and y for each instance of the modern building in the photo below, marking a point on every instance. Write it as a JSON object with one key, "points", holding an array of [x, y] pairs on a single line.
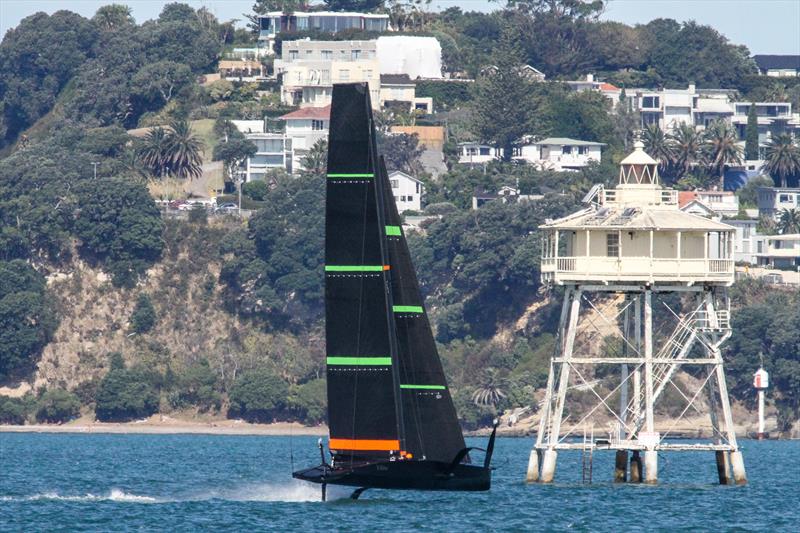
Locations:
{"points": [[747, 242], [275, 22], [780, 251], [407, 191], [773, 200], [273, 152], [400, 89], [667, 108], [475, 153], [778, 65], [305, 128], [610, 91], [773, 118], [308, 70]]}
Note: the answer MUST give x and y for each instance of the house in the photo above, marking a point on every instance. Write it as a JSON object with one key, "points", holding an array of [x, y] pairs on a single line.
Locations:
{"points": [[275, 22], [407, 191], [780, 251], [304, 128], [273, 152], [400, 89], [773, 200], [308, 70], [506, 195], [527, 71], [475, 153], [560, 153], [746, 241], [610, 91], [241, 69], [773, 118], [717, 203], [415, 56], [667, 108], [778, 65]]}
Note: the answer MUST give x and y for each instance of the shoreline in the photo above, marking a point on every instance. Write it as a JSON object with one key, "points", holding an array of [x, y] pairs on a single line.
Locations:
{"points": [[172, 428]]}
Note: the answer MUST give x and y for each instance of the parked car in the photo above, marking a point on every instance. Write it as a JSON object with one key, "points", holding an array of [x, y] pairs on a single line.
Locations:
{"points": [[176, 204], [227, 207]]}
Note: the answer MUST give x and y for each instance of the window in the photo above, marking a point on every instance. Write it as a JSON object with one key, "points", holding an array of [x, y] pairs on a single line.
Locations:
{"points": [[471, 150], [395, 184], [484, 150], [583, 150], [355, 55], [566, 149], [417, 188], [785, 199], [367, 74], [650, 102], [309, 52], [612, 244], [293, 55], [344, 74], [327, 54], [760, 247]]}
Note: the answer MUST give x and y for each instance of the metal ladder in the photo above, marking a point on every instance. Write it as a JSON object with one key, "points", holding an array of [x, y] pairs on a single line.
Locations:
{"points": [[587, 455]]}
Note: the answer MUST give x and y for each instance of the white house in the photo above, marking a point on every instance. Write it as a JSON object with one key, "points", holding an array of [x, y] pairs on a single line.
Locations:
{"points": [[304, 128], [747, 241], [274, 151], [719, 203], [506, 195], [414, 56], [399, 88], [781, 251], [773, 200], [475, 153], [561, 153], [407, 191]]}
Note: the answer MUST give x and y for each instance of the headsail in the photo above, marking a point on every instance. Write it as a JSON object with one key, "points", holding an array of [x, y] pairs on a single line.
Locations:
{"points": [[430, 423]]}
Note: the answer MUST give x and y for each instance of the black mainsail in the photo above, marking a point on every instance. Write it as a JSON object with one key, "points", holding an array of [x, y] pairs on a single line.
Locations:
{"points": [[391, 417]]}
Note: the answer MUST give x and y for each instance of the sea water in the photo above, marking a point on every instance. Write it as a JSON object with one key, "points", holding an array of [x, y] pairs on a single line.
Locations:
{"points": [[52, 482]]}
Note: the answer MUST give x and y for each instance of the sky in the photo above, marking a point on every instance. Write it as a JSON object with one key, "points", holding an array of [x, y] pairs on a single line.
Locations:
{"points": [[764, 26]]}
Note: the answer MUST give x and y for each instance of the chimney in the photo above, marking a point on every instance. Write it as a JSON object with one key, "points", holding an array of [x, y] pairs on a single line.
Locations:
{"points": [[692, 88], [590, 77]]}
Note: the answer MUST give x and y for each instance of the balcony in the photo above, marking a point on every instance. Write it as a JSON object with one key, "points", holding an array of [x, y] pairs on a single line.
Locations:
{"points": [[561, 270]]}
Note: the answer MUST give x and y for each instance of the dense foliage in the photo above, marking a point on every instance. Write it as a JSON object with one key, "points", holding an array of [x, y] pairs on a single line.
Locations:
{"points": [[126, 394], [57, 405], [144, 316], [258, 396], [27, 320]]}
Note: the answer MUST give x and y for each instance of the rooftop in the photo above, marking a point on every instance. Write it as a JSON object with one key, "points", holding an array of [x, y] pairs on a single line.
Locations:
{"points": [[636, 218], [396, 79], [766, 62], [319, 113], [564, 141]]}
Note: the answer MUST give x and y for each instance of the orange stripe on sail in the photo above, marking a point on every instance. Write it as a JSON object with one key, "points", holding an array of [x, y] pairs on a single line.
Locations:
{"points": [[371, 445]]}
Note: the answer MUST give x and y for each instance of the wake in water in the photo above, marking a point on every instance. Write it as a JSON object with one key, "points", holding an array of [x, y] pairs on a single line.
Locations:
{"points": [[294, 491]]}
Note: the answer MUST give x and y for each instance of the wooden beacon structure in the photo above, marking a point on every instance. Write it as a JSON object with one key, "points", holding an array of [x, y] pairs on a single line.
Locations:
{"points": [[630, 259]]}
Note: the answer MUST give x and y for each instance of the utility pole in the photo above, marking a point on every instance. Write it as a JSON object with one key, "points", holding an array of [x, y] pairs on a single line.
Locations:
{"points": [[94, 164]]}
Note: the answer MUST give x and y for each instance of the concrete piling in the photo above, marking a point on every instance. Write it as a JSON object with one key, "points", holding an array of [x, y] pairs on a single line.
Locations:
{"points": [[636, 467], [651, 466], [723, 467], [621, 466], [549, 466], [533, 467], [737, 465]]}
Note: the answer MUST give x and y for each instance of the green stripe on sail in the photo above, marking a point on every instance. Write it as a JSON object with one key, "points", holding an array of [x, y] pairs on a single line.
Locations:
{"points": [[393, 231], [360, 361], [353, 268], [424, 387], [407, 308], [355, 175]]}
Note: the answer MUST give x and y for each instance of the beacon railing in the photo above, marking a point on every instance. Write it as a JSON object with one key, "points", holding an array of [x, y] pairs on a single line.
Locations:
{"points": [[582, 267]]}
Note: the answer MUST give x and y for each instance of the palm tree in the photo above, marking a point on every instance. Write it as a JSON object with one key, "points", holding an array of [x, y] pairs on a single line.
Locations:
{"points": [[721, 149], [657, 144], [184, 151], [686, 144], [490, 393], [153, 149], [789, 221], [782, 158]]}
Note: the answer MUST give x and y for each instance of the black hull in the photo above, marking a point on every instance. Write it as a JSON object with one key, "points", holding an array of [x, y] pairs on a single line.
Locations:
{"points": [[402, 475]]}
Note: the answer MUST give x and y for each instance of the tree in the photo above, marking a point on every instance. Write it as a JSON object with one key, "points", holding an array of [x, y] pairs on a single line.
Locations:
{"points": [[57, 406], [315, 162], [119, 226], [233, 149], [358, 6], [143, 317], [258, 396], [782, 158], [503, 108], [125, 394], [751, 134], [401, 151], [789, 221], [657, 144], [184, 151], [157, 83], [114, 17], [197, 385], [721, 149], [686, 145], [152, 151], [27, 319], [490, 392]]}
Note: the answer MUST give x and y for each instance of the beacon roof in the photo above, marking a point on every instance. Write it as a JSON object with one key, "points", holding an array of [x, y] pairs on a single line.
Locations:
{"points": [[635, 218]]}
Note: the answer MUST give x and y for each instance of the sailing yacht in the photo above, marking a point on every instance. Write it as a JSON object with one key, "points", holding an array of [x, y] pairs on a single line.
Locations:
{"points": [[392, 421]]}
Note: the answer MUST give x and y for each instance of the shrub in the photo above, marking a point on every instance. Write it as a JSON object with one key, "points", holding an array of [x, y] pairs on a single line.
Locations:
{"points": [[258, 396], [57, 405], [143, 317], [257, 190], [309, 401], [198, 215], [196, 385], [13, 411], [125, 394]]}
